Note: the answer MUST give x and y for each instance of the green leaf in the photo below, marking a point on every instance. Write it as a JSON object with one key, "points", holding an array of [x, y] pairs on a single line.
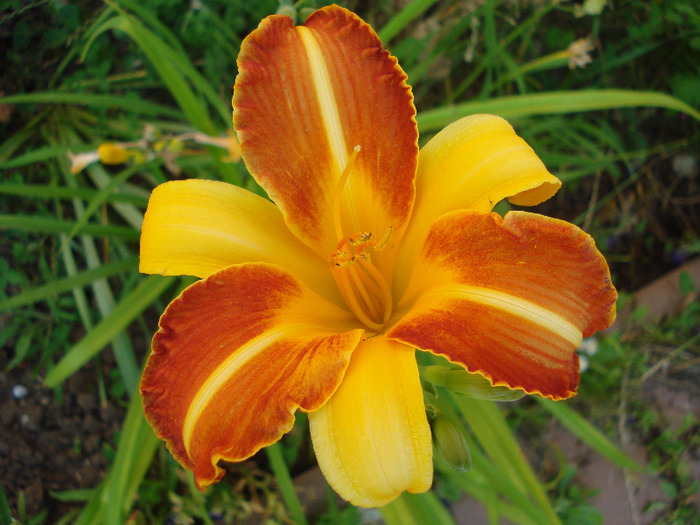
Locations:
{"points": [[5, 516], [553, 102], [493, 434], [123, 314], [113, 499], [284, 480], [45, 191], [73, 495], [162, 59], [686, 284], [41, 225], [100, 198], [66, 284], [416, 509], [37, 155], [587, 433], [129, 102], [401, 19]]}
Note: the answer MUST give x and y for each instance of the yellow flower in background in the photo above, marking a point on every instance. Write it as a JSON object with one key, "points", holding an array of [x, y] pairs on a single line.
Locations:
{"points": [[317, 300], [168, 148]]}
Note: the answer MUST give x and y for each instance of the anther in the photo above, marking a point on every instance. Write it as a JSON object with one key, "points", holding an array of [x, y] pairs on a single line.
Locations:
{"points": [[344, 263], [360, 239]]}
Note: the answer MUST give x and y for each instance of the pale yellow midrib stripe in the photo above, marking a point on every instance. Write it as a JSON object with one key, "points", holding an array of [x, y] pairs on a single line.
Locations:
{"points": [[225, 371], [326, 99], [519, 307]]}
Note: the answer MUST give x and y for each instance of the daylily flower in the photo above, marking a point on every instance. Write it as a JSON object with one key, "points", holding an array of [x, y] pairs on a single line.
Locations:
{"points": [[317, 300]]}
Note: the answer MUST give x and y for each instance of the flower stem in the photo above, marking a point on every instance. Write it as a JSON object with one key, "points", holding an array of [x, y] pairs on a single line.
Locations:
{"points": [[289, 494]]}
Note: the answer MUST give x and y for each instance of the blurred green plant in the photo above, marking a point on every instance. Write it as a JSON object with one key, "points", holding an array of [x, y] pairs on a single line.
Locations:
{"points": [[68, 272]]}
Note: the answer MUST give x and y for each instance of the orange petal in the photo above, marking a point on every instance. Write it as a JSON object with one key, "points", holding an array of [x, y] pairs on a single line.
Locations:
{"points": [[509, 298], [304, 98], [372, 438], [236, 354], [473, 164]]}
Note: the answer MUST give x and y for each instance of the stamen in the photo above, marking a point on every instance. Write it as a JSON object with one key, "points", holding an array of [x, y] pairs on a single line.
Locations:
{"points": [[345, 287], [361, 285], [360, 239], [339, 192], [381, 284]]}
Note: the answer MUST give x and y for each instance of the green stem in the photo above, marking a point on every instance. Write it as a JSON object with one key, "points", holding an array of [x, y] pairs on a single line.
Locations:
{"points": [[289, 494], [415, 509]]}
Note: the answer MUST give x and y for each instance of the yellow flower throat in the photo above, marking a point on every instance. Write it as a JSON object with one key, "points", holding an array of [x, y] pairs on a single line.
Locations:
{"points": [[362, 286]]}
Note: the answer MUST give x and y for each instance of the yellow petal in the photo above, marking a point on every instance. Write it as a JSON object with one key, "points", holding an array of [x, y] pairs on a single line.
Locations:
{"points": [[473, 164], [372, 438], [197, 227]]}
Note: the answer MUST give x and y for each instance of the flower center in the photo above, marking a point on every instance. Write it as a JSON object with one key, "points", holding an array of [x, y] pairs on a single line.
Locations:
{"points": [[362, 286]]}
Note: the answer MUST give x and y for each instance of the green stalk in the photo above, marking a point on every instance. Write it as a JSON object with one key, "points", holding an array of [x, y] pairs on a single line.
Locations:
{"points": [[416, 509], [289, 493], [490, 429]]}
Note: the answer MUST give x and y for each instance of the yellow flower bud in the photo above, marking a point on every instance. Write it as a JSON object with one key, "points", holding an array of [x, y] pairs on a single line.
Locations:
{"points": [[112, 153]]}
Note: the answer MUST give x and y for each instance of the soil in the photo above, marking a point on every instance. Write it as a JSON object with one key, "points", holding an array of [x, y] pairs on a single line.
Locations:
{"points": [[52, 441]]}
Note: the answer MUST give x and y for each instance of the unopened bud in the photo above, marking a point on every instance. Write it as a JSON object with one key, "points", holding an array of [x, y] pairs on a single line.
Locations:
{"points": [[112, 154], [450, 442], [459, 381]]}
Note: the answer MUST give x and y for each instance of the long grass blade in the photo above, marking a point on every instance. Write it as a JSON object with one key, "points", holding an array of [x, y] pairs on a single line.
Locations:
{"points": [[284, 480], [37, 155], [137, 444], [114, 497], [44, 191], [404, 17], [589, 434], [554, 102], [28, 223], [493, 434], [135, 216], [108, 328], [55, 288], [129, 102], [156, 51], [416, 509]]}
